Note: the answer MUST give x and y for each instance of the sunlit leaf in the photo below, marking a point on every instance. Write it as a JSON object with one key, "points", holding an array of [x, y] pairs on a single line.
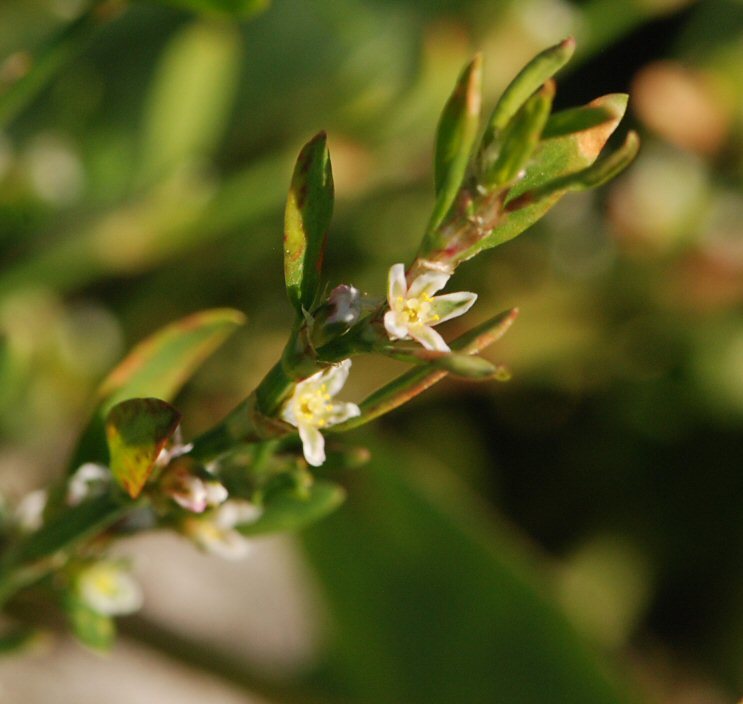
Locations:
{"points": [[520, 138], [292, 510], [309, 208], [137, 431], [455, 137], [540, 69], [157, 367]]}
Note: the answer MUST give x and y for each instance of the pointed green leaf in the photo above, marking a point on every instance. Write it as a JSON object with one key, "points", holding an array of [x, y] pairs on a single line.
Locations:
{"points": [[552, 159], [238, 8], [539, 70], [455, 138], [290, 510], [161, 364], [309, 208], [520, 138], [414, 382], [574, 120], [137, 431], [158, 367], [602, 170], [91, 628], [461, 365]]}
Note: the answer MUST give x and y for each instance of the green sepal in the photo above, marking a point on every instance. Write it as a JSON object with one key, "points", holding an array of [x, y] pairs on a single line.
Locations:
{"points": [[519, 139], [93, 629], [136, 431], [291, 508], [538, 71], [455, 137], [309, 208]]}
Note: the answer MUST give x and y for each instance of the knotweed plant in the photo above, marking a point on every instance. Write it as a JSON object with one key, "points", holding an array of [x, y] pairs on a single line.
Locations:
{"points": [[252, 472]]}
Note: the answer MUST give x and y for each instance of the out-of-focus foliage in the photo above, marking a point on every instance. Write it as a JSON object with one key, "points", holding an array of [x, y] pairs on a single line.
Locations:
{"points": [[148, 179]]}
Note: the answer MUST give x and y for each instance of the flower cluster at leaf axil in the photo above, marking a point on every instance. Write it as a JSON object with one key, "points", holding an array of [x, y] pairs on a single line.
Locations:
{"points": [[252, 471]]}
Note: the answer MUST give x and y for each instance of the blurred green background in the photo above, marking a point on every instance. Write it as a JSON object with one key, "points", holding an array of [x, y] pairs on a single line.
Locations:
{"points": [[571, 536]]}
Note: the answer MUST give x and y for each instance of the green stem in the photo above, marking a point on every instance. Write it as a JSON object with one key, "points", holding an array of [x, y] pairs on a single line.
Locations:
{"points": [[35, 72]]}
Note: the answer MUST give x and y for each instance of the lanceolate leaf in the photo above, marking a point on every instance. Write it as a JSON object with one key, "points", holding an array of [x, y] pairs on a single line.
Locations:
{"points": [[137, 431], [158, 367], [161, 364], [455, 137], [552, 159], [540, 69], [520, 138], [290, 510], [309, 208], [407, 386]]}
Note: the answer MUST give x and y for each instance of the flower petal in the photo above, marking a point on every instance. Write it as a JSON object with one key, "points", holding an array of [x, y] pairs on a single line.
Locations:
{"points": [[396, 285], [335, 377], [394, 328], [427, 284], [313, 444], [452, 305], [341, 412], [429, 338]]}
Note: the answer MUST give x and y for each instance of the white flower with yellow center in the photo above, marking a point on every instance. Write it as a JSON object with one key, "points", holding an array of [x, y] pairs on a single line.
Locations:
{"points": [[311, 408], [108, 588], [414, 310]]}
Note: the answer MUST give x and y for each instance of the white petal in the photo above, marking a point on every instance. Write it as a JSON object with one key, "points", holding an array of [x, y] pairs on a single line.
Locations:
{"points": [[29, 513], [313, 444], [396, 285], [287, 413], [429, 338], [335, 377], [394, 329], [237, 512], [108, 589], [215, 493], [452, 305], [427, 284], [343, 411]]}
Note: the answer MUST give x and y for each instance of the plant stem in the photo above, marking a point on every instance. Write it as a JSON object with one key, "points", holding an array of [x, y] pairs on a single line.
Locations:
{"points": [[27, 75]]}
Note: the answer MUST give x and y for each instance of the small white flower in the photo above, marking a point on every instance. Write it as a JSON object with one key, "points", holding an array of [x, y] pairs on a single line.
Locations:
{"points": [[191, 492], [89, 479], [29, 513], [415, 310], [311, 407], [215, 532], [108, 588]]}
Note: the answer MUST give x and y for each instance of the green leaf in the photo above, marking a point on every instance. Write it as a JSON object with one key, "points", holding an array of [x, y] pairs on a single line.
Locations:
{"points": [[455, 138], [137, 431], [239, 8], [462, 365], [431, 601], [191, 97], [574, 120], [290, 510], [157, 367], [309, 208], [602, 170], [414, 382], [91, 628], [552, 159], [539, 70], [520, 138]]}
